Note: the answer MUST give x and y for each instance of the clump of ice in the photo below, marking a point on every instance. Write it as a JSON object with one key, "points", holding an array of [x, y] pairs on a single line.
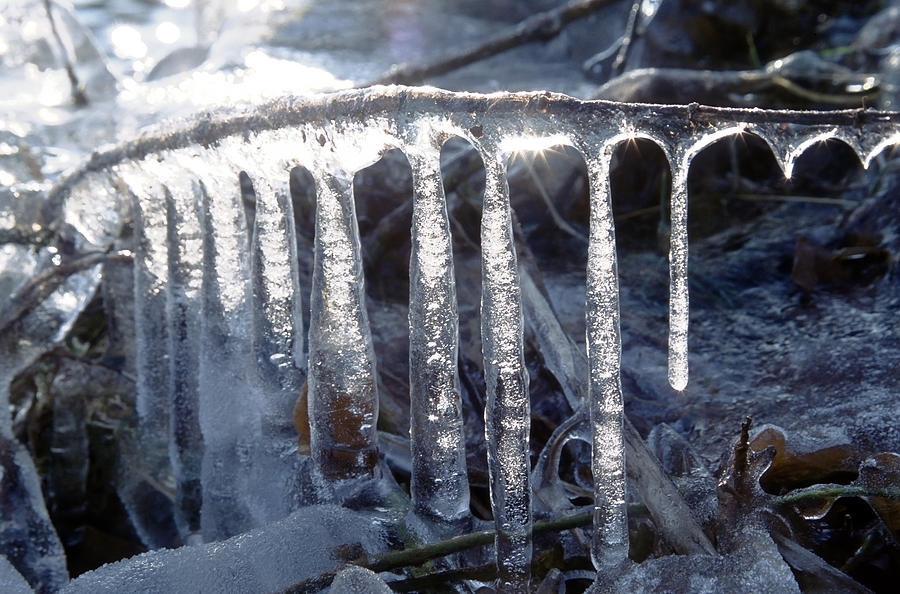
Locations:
{"points": [[358, 580], [754, 566], [11, 581], [269, 559]]}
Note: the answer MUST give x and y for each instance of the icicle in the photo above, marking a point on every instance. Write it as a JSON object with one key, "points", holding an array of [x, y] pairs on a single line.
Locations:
{"points": [[439, 486], [507, 410], [277, 301], [277, 339], [150, 278], [183, 308], [150, 452], [343, 399], [678, 282], [225, 419], [609, 545]]}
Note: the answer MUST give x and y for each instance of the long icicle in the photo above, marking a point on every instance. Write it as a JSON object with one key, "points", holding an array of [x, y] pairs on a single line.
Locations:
{"points": [[184, 312], [439, 485], [277, 339], [150, 345], [609, 545], [343, 398], [227, 425], [507, 410], [679, 311]]}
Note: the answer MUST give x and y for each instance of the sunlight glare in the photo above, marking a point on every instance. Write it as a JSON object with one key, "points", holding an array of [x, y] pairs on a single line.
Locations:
{"points": [[168, 32], [127, 43], [532, 148]]}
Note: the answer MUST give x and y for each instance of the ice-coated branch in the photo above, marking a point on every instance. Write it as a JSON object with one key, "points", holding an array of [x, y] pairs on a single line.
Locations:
{"points": [[439, 485]]}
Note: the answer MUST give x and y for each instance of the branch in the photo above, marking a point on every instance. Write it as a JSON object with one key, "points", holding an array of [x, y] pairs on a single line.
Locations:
{"points": [[46, 282], [539, 27], [419, 555]]}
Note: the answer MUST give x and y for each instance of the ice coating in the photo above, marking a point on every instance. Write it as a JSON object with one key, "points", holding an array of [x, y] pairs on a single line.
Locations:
{"points": [[507, 412], [11, 581], [609, 543], [226, 421], [439, 485], [277, 340], [268, 559], [151, 263], [174, 398], [679, 309], [27, 537], [358, 580], [184, 313], [249, 297], [343, 400]]}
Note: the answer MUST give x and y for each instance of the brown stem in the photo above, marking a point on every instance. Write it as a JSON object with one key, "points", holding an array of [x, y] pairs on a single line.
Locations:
{"points": [[539, 27]]}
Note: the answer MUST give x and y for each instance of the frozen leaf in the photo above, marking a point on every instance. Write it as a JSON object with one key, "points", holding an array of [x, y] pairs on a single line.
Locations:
{"points": [[801, 461]]}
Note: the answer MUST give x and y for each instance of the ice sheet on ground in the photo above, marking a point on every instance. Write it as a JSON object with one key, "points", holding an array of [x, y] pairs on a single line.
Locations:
{"points": [[755, 566], [265, 560], [11, 581], [358, 580]]}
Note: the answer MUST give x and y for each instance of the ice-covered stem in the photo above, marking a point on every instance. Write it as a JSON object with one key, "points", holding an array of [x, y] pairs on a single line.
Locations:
{"points": [[394, 560], [609, 544], [507, 411], [678, 282], [343, 399], [439, 486]]}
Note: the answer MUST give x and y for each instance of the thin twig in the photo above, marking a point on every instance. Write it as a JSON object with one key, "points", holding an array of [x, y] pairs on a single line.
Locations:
{"points": [[818, 494], [419, 555], [79, 98], [48, 280], [539, 27], [802, 199]]}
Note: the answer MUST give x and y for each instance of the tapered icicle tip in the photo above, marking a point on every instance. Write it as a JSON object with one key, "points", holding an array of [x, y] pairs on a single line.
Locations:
{"points": [[678, 362], [678, 382], [678, 375]]}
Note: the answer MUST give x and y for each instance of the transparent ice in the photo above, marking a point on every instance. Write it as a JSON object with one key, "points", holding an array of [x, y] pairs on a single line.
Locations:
{"points": [[11, 581], [268, 559], [218, 316], [439, 486]]}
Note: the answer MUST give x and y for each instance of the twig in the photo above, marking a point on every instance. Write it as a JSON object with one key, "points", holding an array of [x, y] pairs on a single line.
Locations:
{"points": [[429, 582], [539, 27], [47, 281], [833, 492], [79, 98], [802, 199], [419, 555], [627, 39], [558, 220]]}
